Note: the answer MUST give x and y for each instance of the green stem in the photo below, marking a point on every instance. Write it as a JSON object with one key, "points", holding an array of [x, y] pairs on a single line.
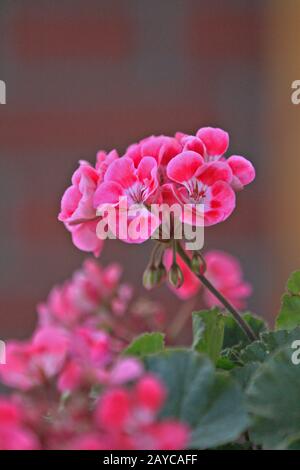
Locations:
{"points": [[236, 315]]}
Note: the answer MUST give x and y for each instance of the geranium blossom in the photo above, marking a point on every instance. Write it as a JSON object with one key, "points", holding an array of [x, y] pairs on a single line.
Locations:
{"points": [[189, 170], [212, 143], [202, 184], [134, 186], [162, 148]]}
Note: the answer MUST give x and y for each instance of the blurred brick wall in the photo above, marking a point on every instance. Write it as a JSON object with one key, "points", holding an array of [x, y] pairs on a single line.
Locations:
{"points": [[84, 75]]}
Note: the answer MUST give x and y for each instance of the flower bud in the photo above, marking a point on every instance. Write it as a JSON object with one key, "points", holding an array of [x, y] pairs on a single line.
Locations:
{"points": [[175, 276], [161, 273], [151, 277], [198, 264]]}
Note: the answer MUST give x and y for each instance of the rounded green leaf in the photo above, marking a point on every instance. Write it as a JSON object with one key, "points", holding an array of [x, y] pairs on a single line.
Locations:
{"points": [[273, 401], [208, 332], [211, 402], [289, 315], [148, 343]]}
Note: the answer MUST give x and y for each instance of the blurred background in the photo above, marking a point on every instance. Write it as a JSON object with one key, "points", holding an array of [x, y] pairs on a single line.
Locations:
{"points": [[100, 74]]}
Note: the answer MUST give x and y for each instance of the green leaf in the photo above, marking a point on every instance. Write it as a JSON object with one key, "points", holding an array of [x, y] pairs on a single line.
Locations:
{"points": [[235, 336], [225, 363], [289, 315], [235, 446], [273, 401], [211, 402], [293, 283], [258, 351], [148, 343], [244, 374], [208, 332]]}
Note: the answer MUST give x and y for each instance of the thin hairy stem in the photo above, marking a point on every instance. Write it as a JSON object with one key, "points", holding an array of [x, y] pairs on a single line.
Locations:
{"points": [[237, 316]]}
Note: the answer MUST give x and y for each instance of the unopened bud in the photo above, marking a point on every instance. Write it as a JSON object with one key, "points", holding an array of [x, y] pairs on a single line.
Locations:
{"points": [[198, 264], [161, 273], [150, 277], [175, 276]]}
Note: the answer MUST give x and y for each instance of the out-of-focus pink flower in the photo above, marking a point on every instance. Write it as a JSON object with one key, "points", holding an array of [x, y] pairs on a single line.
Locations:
{"points": [[113, 411], [129, 417], [77, 210], [92, 345], [222, 270], [202, 183], [150, 394], [91, 289], [135, 187], [72, 376], [124, 370], [33, 363], [13, 433], [225, 273], [167, 435]]}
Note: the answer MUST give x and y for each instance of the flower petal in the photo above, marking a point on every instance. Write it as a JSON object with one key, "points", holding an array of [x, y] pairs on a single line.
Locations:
{"points": [[220, 203], [211, 172], [145, 169], [84, 238], [194, 143], [243, 171], [121, 171], [216, 140], [183, 167], [108, 193]]}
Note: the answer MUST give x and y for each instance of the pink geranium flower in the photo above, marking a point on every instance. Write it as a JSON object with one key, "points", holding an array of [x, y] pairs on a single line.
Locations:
{"points": [[130, 190], [199, 183], [212, 143], [162, 148], [189, 169], [77, 210]]}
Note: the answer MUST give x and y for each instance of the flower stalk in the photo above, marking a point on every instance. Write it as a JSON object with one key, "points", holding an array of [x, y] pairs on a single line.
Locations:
{"points": [[236, 315]]}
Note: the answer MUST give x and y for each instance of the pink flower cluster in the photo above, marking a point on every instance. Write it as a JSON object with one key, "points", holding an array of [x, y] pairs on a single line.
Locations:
{"points": [[184, 169], [126, 418], [222, 270], [92, 290], [68, 374]]}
